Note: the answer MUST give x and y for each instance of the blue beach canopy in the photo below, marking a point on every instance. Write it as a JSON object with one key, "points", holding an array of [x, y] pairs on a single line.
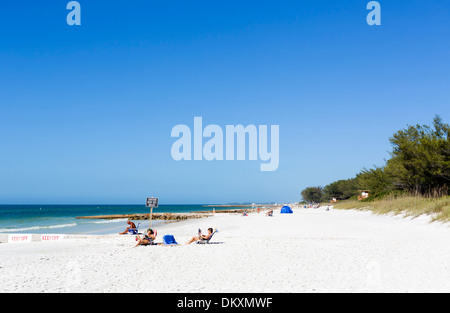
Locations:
{"points": [[286, 210]]}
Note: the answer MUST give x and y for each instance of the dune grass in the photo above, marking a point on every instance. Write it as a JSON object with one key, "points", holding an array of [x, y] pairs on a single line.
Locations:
{"points": [[413, 206]]}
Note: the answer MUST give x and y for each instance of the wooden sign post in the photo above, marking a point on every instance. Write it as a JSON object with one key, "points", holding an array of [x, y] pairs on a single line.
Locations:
{"points": [[151, 203]]}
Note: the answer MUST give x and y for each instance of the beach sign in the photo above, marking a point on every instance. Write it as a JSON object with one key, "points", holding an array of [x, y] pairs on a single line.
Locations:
{"points": [[19, 238], [151, 203]]}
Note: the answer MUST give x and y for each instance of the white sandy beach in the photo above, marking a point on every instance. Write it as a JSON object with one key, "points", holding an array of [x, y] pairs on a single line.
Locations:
{"points": [[312, 250]]}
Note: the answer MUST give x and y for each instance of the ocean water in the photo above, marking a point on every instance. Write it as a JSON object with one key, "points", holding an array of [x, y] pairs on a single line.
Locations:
{"points": [[61, 219]]}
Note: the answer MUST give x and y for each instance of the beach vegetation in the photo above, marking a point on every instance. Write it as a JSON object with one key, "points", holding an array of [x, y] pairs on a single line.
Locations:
{"points": [[341, 189], [313, 194], [414, 179], [403, 204]]}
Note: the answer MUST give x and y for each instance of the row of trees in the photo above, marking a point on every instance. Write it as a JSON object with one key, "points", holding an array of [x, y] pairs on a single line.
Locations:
{"points": [[419, 164]]}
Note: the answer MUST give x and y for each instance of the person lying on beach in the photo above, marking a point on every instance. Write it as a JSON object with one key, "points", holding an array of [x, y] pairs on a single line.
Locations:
{"points": [[148, 239], [131, 227], [201, 237]]}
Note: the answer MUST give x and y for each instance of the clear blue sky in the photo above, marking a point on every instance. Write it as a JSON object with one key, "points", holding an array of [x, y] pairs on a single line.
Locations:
{"points": [[86, 111]]}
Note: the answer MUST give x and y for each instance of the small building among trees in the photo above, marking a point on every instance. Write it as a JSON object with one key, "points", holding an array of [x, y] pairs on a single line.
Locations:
{"points": [[364, 195]]}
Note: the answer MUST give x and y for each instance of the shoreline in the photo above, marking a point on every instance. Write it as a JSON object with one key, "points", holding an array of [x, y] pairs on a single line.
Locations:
{"points": [[170, 216], [155, 216], [93, 219], [111, 224]]}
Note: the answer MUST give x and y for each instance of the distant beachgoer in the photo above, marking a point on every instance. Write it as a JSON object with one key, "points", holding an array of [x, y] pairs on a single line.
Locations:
{"points": [[258, 209], [148, 239], [270, 213], [245, 213], [201, 237], [131, 226]]}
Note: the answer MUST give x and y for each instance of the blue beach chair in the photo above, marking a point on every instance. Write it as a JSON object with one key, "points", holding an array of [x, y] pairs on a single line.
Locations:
{"points": [[134, 231], [169, 240]]}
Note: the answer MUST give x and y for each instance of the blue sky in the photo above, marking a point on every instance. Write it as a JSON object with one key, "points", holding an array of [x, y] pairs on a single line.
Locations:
{"points": [[86, 111]]}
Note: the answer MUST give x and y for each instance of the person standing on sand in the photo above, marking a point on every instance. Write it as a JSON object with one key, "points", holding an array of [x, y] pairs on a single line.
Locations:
{"points": [[130, 227]]}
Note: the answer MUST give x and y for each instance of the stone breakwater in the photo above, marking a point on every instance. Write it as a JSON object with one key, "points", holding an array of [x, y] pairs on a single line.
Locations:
{"points": [[168, 216], [155, 216]]}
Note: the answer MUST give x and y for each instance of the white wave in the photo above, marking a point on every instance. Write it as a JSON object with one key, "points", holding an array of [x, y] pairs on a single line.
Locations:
{"points": [[4, 230]]}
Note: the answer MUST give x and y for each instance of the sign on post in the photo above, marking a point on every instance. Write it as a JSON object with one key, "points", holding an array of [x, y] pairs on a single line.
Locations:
{"points": [[151, 203]]}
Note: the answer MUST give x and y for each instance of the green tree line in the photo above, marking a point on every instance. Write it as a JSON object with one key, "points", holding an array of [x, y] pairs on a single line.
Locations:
{"points": [[419, 164]]}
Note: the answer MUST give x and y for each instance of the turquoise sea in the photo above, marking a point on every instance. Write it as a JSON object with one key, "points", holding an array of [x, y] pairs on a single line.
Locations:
{"points": [[61, 219]]}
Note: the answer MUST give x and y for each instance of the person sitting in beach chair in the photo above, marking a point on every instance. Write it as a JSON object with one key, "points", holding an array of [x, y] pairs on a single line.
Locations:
{"points": [[202, 238], [245, 213], [131, 228], [148, 239], [270, 213], [134, 231]]}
